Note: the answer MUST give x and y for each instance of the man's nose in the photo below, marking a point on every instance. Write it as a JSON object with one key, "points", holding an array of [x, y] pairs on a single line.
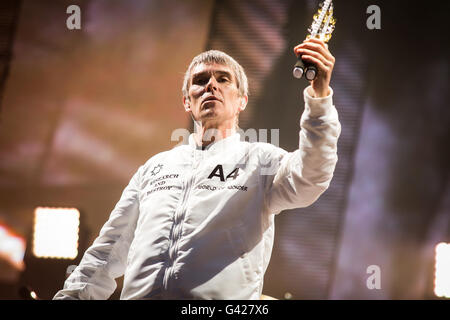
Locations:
{"points": [[212, 84]]}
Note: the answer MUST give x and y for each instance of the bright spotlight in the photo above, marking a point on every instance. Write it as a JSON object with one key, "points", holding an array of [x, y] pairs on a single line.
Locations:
{"points": [[442, 270], [12, 247], [56, 232]]}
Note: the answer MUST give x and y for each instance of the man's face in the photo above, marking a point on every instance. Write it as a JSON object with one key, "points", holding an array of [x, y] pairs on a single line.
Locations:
{"points": [[214, 97]]}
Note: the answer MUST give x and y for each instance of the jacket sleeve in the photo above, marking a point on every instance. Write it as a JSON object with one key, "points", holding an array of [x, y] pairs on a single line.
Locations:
{"points": [[106, 259], [300, 177]]}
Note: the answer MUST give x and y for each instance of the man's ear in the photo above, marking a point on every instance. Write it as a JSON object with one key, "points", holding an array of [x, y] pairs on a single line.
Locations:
{"points": [[187, 104], [243, 103]]}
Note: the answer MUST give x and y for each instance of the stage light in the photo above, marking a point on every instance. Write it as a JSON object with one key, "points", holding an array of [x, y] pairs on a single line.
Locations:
{"points": [[288, 296], [27, 293], [442, 270], [56, 232], [12, 247]]}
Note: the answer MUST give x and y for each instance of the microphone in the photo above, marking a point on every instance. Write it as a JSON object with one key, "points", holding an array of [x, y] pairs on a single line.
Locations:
{"points": [[302, 67], [322, 28]]}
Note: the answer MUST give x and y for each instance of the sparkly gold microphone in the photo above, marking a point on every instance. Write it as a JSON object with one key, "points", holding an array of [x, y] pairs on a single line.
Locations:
{"points": [[322, 27]]}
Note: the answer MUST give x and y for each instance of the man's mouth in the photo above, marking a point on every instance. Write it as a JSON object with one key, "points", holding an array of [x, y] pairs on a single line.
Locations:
{"points": [[209, 99]]}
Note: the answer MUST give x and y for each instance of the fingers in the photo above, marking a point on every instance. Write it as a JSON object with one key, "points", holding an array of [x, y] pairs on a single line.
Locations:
{"points": [[316, 51], [315, 41], [306, 53], [317, 62], [318, 41], [315, 45]]}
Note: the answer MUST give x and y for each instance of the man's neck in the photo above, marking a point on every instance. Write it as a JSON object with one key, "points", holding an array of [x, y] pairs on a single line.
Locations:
{"points": [[205, 135]]}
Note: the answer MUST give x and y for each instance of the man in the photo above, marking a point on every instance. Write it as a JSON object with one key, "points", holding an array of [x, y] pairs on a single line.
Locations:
{"points": [[197, 222]]}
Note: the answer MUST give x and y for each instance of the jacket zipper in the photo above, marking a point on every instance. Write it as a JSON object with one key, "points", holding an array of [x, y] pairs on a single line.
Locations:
{"points": [[179, 215]]}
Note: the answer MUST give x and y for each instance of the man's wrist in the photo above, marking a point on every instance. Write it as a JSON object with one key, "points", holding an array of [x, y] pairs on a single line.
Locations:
{"points": [[319, 93], [317, 106]]}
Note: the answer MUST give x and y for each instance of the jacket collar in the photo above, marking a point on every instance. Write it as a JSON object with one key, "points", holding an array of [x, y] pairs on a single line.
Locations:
{"points": [[231, 140]]}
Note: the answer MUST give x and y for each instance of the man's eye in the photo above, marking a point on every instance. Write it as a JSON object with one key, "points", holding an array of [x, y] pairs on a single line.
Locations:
{"points": [[223, 79], [200, 81]]}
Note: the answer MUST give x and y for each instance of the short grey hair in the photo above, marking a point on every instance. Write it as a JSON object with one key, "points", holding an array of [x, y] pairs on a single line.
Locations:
{"points": [[219, 57]]}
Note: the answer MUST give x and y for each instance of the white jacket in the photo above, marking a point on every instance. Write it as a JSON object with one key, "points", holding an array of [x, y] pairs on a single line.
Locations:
{"points": [[199, 224]]}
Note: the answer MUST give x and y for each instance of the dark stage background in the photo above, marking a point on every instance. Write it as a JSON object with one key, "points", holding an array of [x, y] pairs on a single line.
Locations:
{"points": [[81, 110]]}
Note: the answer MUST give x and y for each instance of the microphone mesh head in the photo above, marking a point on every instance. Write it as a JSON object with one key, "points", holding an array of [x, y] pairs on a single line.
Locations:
{"points": [[310, 74], [297, 72]]}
